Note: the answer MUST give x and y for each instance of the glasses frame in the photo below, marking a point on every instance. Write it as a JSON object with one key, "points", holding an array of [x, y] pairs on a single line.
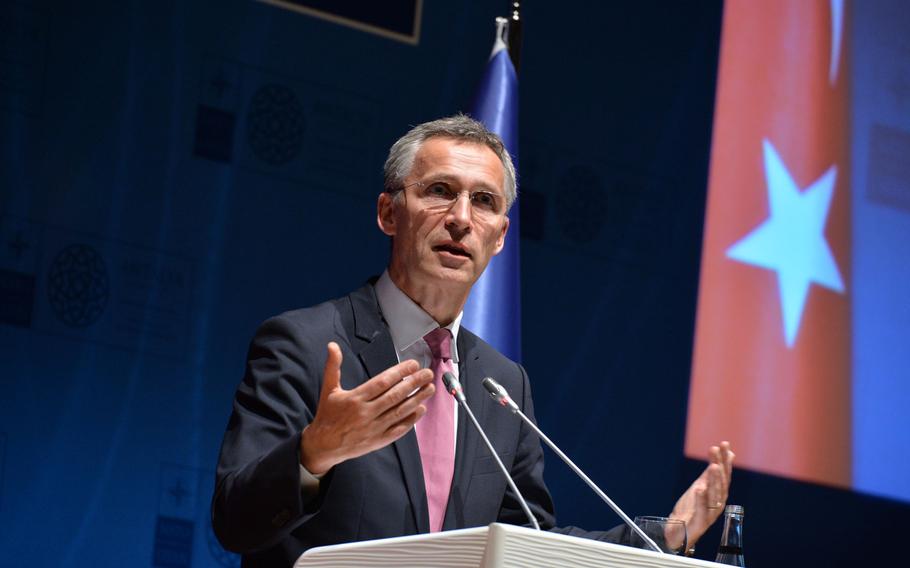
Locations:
{"points": [[500, 200]]}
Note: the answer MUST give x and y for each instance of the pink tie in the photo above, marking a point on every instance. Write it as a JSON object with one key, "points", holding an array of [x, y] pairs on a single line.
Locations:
{"points": [[436, 431]]}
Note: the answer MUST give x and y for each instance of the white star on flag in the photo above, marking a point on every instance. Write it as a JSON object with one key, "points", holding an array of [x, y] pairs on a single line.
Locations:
{"points": [[791, 241]]}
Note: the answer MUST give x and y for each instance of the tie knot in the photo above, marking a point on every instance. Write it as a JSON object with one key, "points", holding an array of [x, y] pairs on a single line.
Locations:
{"points": [[440, 342]]}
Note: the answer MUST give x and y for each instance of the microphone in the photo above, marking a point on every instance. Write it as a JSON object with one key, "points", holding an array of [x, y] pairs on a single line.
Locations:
{"points": [[454, 387], [500, 395]]}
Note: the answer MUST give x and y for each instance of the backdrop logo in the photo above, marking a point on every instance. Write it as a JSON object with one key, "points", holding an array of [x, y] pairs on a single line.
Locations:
{"points": [[216, 113], [174, 528], [291, 129], [19, 244], [77, 286], [275, 124]]}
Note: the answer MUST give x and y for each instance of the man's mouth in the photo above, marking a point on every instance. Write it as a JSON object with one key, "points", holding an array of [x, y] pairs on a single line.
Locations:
{"points": [[453, 249]]}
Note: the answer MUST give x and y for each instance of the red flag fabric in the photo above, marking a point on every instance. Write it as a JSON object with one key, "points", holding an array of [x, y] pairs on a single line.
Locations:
{"points": [[771, 363]]}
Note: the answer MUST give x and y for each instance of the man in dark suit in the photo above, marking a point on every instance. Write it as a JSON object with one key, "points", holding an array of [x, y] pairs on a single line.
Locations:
{"points": [[328, 441]]}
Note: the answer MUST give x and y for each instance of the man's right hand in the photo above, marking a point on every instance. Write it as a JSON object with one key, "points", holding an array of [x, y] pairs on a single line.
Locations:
{"points": [[351, 423]]}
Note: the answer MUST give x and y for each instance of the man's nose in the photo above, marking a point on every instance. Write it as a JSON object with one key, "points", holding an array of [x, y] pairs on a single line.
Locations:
{"points": [[460, 213]]}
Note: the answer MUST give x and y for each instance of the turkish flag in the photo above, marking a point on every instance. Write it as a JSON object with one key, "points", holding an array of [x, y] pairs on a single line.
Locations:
{"points": [[771, 364]]}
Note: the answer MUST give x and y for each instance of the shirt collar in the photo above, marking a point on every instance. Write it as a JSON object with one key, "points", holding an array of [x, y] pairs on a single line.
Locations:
{"points": [[407, 321]]}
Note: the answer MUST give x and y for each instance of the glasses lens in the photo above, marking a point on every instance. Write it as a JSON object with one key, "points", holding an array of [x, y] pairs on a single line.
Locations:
{"points": [[439, 195], [436, 195], [486, 202]]}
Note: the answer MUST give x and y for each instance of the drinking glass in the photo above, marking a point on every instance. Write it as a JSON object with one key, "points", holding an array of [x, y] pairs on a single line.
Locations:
{"points": [[668, 534]]}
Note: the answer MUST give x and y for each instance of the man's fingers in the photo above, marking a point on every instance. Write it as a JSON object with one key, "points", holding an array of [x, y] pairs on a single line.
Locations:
{"points": [[727, 457], [382, 382], [717, 492], [396, 428], [403, 426], [714, 454], [331, 375], [407, 406], [403, 389]]}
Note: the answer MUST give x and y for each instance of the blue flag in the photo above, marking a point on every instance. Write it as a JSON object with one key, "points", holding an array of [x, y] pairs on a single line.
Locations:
{"points": [[493, 310]]}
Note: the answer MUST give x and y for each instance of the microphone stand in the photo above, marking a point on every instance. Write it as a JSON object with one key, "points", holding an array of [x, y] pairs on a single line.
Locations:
{"points": [[454, 387], [499, 393]]}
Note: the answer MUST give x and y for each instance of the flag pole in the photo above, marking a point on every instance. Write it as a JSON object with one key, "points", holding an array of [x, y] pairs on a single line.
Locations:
{"points": [[514, 40]]}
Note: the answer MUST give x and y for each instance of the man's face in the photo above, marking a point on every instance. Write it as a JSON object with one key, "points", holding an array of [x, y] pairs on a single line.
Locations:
{"points": [[450, 247]]}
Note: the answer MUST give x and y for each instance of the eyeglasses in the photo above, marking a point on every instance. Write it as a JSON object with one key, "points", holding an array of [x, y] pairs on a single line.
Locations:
{"points": [[440, 196]]}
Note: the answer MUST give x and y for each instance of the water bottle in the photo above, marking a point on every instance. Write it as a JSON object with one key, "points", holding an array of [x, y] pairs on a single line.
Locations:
{"points": [[731, 543]]}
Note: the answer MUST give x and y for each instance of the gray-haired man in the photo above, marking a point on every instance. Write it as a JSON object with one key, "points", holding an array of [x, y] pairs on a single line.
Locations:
{"points": [[321, 446]]}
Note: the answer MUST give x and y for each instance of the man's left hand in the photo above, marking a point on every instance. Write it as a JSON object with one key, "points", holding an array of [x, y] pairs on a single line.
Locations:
{"points": [[704, 501]]}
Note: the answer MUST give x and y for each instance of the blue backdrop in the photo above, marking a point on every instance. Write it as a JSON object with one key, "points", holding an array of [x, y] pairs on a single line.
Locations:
{"points": [[173, 173]]}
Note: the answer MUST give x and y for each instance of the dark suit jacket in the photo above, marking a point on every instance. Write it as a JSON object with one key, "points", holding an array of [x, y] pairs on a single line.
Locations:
{"points": [[258, 509]]}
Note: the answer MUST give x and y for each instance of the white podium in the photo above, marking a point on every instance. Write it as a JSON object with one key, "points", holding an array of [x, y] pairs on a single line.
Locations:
{"points": [[495, 546]]}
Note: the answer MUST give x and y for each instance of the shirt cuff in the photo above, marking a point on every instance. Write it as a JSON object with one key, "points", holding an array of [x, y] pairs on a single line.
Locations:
{"points": [[309, 483]]}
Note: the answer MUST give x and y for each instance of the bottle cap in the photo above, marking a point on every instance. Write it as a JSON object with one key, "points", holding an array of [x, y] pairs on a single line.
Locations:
{"points": [[735, 510]]}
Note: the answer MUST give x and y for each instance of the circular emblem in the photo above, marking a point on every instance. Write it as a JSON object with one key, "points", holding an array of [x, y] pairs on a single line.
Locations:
{"points": [[221, 556], [77, 286], [581, 204], [275, 124]]}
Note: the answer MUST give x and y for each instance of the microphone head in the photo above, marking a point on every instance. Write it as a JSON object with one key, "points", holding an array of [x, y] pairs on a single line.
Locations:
{"points": [[499, 393], [492, 387], [451, 383], [495, 389]]}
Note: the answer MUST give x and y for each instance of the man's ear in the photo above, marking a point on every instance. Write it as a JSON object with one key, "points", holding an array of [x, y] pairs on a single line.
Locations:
{"points": [[385, 213], [502, 236]]}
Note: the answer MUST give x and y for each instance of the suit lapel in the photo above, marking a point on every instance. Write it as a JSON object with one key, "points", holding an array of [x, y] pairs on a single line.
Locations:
{"points": [[377, 353]]}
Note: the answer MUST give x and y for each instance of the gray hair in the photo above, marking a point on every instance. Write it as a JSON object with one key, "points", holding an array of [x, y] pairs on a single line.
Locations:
{"points": [[460, 127]]}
